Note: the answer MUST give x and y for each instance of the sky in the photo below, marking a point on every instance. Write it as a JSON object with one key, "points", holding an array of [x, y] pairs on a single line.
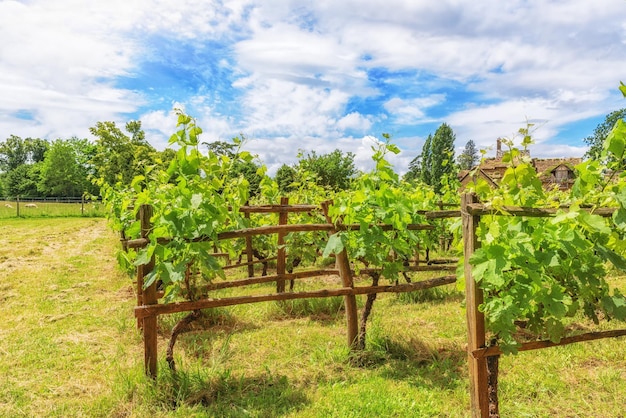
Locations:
{"points": [[302, 76]]}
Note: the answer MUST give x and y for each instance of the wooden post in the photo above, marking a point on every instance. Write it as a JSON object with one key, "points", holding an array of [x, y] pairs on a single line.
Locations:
{"points": [[343, 265], [17, 205], [149, 298], [281, 260], [249, 252], [82, 205], [475, 319]]}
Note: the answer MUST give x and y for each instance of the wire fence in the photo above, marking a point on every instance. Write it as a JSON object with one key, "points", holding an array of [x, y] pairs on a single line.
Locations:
{"points": [[37, 207]]}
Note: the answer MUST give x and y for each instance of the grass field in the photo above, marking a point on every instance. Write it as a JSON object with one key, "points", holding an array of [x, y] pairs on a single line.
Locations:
{"points": [[69, 348]]}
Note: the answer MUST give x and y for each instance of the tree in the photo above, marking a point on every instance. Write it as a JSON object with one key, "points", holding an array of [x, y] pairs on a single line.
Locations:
{"points": [[334, 170], [64, 171], [596, 140], [425, 172], [285, 177], [469, 157], [437, 157], [119, 157], [247, 169], [415, 169], [19, 162], [22, 181]]}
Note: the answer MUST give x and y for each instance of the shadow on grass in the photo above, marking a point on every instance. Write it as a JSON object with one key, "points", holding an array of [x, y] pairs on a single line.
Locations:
{"points": [[225, 395], [415, 362]]}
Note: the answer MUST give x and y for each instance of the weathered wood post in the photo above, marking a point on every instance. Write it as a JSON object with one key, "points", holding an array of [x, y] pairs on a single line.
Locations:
{"points": [[249, 251], [149, 297], [475, 319], [17, 205], [281, 256], [343, 265]]}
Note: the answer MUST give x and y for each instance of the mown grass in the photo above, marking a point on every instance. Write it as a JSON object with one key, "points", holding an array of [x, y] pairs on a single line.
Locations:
{"points": [[70, 348]]}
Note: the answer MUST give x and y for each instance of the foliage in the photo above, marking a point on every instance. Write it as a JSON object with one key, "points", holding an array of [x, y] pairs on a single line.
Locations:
{"points": [[285, 177], [334, 170], [377, 198], [469, 157], [600, 133], [119, 157], [197, 197], [19, 165], [436, 159], [65, 169], [543, 271]]}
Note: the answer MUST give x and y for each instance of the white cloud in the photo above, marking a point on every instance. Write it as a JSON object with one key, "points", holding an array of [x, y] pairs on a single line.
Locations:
{"points": [[354, 121], [301, 66], [411, 111]]}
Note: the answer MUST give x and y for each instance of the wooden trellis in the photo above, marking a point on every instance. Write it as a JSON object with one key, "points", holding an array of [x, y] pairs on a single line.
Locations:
{"points": [[482, 360], [148, 308]]}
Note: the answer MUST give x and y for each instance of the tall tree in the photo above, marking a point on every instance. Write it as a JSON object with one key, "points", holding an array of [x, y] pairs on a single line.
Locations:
{"points": [[469, 157], [425, 172], [596, 140], [438, 157]]}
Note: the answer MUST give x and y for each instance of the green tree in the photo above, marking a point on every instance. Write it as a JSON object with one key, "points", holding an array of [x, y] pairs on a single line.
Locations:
{"points": [[285, 177], [19, 160], [22, 181], [425, 169], [334, 170], [415, 170], [596, 140], [64, 171], [119, 157], [247, 169], [469, 157], [438, 157], [13, 153]]}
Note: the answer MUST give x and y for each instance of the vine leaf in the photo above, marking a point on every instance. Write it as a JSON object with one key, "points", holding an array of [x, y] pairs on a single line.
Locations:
{"points": [[334, 245]]}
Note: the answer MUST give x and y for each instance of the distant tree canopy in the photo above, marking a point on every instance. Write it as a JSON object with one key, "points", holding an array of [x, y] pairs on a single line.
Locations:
{"points": [[118, 157], [436, 159], [65, 170], [247, 169], [285, 177], [469, 157], [334, 170], [20, 165], [596, 140]]}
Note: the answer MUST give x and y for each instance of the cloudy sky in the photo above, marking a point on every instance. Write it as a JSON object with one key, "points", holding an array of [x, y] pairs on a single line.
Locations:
{"points": [[315, 75]]}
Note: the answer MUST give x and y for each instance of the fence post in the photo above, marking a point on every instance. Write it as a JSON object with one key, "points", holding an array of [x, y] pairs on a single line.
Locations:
{"points": [[475, 319], [249, 252], [281, 256], [343, 265], [149, 297], [17, 205]]}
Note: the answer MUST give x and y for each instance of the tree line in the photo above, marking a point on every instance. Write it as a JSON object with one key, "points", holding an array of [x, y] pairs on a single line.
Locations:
{"points": [[36, 167]]}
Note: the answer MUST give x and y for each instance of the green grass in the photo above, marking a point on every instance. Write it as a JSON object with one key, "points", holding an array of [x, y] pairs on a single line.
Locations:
{"points": [[70, 348]]}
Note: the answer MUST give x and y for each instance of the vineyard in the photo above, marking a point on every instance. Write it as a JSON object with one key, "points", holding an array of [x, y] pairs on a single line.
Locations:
{"points": [[530, 260]]}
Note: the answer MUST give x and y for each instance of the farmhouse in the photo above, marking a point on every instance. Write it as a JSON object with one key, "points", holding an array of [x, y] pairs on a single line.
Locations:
{"points": [[553, 172]]}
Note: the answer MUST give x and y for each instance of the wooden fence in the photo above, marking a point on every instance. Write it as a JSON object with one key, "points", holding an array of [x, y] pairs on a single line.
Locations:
{"points": [[483, 360], [148, 306]]}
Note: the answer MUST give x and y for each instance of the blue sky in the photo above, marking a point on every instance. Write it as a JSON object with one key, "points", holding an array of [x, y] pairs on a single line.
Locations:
{"points": [[300, 75]]}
